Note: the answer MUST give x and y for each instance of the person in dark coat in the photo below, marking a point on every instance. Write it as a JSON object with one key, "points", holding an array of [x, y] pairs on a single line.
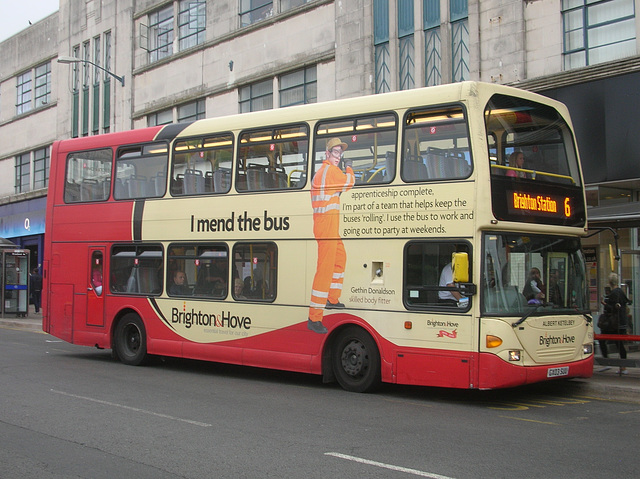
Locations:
{"points": [[35, 284], [616, 305]]}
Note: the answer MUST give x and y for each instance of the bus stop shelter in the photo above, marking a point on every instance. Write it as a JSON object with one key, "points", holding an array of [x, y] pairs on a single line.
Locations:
{"points": [[14, 279]]}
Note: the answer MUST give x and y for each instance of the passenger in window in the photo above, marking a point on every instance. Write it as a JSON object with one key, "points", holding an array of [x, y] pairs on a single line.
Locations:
{"points": [[211, 280], [533, 290], [96, 280], [446, 280], [516, 160], [179, 286], [555, 295], [238, 289], [328, 183]]}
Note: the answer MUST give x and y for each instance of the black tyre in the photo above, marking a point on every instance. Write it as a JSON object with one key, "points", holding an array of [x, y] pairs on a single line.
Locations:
{"points": [[356, 360], [131, 340]]}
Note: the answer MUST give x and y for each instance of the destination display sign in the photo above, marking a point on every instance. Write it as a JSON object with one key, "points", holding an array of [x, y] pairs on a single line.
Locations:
{"points": [[520, 202], [537, 203]]}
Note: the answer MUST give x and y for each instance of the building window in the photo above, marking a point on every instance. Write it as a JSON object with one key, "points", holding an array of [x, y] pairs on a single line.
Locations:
{"points": [[191, 111], [192, 21], [86, 80], [75, 93], [161, 34], [381, 45], [459, 39], [43, 84], [106, 91], [23, 102], [597, 31], [161, 118], [406, 44], [299, 87], [432, 43], [23, 168], [256, 97], [40, 168], [289, 4], [252, 11], [95, 118]]}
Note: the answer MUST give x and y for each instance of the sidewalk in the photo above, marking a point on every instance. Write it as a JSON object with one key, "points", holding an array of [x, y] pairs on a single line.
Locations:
{"points": [[607, 383], [32, 322]]}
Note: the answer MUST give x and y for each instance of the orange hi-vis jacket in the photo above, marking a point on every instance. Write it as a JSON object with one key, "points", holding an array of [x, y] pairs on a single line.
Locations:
{"points": [[328, 184]]}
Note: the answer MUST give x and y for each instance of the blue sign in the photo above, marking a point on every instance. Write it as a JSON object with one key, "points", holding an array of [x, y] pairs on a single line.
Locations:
{"points": [[23, 218]]}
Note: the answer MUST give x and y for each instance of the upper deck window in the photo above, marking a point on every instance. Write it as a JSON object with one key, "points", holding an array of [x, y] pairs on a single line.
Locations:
{"points": [[535, 175], [141, 171], [436, 145], [534, 135], [371, 146], [273, 159], [202, 165], [88, 176]]}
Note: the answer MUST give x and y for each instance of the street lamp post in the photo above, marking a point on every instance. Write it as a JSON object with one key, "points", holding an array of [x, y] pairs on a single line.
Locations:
{"points": [[63, 59]]}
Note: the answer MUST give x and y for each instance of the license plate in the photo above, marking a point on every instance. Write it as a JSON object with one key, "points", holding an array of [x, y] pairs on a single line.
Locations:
{"points": [[558, 372]]}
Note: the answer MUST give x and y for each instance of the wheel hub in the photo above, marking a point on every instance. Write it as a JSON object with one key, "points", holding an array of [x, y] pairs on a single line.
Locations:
{"points": [[354, 358]]}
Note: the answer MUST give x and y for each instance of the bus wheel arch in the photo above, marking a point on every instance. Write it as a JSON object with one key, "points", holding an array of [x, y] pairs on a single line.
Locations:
{"points": [[130, 339], [352, 358]]}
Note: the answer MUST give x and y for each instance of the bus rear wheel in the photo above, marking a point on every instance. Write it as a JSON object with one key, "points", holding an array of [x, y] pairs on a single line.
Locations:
{"points": [[356, 360], [131, 340]]}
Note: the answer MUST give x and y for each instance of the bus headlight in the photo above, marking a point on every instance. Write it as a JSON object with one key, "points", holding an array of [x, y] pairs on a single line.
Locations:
{"points": [[514, 355], [587, 348], [493, 341]]}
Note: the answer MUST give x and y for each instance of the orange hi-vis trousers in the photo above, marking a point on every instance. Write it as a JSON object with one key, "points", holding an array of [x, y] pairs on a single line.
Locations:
{"points": [[327, 283], [327, 185]]}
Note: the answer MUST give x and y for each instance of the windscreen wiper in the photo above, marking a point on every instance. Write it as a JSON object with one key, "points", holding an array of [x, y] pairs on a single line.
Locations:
{"points": [[524, 318]]}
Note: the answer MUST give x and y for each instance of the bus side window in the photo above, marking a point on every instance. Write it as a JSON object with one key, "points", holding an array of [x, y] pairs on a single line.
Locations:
{"points": [[198, 270], [88, 176], [371, 146], [202, 165], [273, 159], [136, 269], [429, 275], [436, 145], [141, 171], [254, 271]]}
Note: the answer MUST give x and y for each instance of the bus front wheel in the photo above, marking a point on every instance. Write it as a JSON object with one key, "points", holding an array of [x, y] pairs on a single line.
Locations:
{"points": [[356, 360], [131, 340]]}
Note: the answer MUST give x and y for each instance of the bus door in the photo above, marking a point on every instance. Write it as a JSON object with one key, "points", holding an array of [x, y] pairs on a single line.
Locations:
{"points": [[95, 292]]}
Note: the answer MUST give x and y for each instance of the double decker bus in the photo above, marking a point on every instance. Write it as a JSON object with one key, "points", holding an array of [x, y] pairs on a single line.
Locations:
{"points": [[425, 237]]}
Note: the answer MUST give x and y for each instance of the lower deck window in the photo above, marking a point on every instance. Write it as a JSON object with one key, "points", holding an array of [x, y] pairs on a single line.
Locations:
{"points": [[136, 269], [255, 265], [429, 277], [200, 270]]}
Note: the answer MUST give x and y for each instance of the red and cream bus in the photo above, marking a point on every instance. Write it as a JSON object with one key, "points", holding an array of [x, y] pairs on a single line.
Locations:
{"points": [[427, 237]]}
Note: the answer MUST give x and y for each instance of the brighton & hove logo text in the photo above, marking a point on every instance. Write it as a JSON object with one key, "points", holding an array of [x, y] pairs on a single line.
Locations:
{"points": [[198, 318]]}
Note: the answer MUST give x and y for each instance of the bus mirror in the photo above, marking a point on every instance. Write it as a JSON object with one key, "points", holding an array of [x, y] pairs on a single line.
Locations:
{"points": [[460, 263]]}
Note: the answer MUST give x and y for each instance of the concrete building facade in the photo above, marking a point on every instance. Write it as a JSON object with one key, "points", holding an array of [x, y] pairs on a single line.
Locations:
{"points": [[180, 60]]}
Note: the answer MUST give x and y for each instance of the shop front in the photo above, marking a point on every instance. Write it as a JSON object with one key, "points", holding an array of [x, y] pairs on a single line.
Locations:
{"points": [[23, 223]]}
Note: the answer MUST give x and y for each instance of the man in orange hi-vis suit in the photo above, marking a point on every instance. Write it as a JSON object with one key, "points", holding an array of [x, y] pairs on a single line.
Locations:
{"points": [[328, 184]]}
